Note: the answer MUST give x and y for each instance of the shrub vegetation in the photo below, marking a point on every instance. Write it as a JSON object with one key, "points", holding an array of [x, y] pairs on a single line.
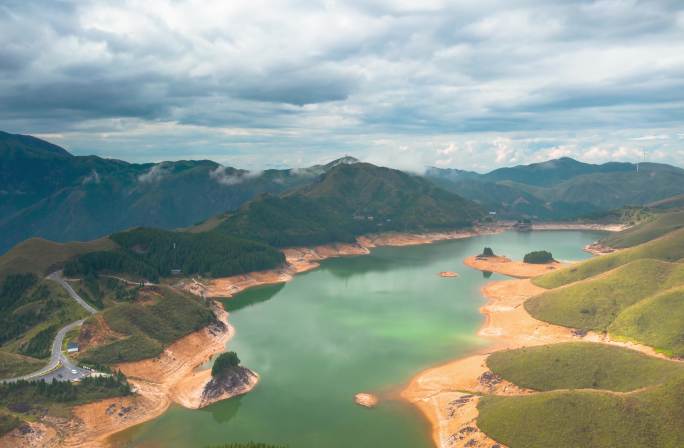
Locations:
{"points": [[224, 363], [149, 327], [538, 257]]}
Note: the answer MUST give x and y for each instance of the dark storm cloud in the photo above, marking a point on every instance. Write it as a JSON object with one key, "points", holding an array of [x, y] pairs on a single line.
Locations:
{"points": [[269, 77]]}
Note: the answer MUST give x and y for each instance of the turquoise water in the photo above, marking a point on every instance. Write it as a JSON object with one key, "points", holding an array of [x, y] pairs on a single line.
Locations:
{"points": [[357, 324]]}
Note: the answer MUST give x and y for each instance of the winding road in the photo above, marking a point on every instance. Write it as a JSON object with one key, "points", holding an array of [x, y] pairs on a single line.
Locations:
{"points": [[60, 367]]}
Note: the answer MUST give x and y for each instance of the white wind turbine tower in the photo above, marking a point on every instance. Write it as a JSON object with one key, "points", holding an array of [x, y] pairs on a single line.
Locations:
{"points": [[644, 160]]}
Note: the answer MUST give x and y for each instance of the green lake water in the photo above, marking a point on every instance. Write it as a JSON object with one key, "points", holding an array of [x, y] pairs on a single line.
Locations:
{"points": [[357, 324]]}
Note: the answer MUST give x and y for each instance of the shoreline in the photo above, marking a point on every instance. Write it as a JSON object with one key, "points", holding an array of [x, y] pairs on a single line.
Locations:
{"points": [[172, 377], [303, 259], [160, 381], [447, 395], [169, 378], [506, 266]]}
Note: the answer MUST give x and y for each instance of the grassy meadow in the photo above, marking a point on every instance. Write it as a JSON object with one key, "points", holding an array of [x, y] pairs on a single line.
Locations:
{"points": [[598, 395], [594, 303], [582, 365], [669, 247]]}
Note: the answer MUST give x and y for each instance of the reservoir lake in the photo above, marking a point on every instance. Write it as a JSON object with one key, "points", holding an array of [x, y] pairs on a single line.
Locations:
{"points": [[357, 324]]}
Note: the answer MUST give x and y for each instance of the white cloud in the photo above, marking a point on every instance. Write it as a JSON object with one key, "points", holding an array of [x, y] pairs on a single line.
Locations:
{"points": [[284, 82], [154, 174], [222, 177]]}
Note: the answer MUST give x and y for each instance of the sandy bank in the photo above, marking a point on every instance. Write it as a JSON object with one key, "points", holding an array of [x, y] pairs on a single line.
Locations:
{"points": [[598, 249], [506, 266], [158, 382], [448, 395], [579, 226]]}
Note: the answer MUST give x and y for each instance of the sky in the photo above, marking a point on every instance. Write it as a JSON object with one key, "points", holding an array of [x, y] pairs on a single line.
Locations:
{"points": [[288, 83]]}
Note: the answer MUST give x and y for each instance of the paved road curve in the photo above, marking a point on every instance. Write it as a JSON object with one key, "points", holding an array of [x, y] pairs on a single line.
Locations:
{"points": [[60, 366], [59, 278]]}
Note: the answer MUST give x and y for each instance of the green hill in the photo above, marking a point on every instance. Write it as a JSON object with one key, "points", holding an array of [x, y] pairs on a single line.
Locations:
{"points": [[669, 247], [584, 418], [13, 364], [47, 192], [655, 321], [674, 202], [563, 188], [581, 365], [149, 327], [31, 312], [646, 231], [592, 395], [594, 303], [348, 201], [40, 257], [154, 253]]}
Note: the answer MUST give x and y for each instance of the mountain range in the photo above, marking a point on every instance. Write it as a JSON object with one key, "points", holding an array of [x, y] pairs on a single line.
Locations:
{"points": [[47, 192], [563, 188]]}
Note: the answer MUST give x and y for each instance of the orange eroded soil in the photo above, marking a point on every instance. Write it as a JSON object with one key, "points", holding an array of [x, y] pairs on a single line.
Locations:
{"points": [[506, 266], [157, 382], [448, 395]]}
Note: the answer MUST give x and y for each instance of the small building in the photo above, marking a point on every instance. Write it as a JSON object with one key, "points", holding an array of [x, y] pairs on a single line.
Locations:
{"points": [[176, 272], [72, 347]]}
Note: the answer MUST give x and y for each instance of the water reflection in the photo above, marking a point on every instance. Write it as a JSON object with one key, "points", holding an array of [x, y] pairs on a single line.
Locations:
{"points": [[224, 411], [252, 297]]}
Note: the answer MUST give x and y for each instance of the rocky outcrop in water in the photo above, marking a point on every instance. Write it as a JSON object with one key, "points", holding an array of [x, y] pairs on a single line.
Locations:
{"points": [[237, 380]]}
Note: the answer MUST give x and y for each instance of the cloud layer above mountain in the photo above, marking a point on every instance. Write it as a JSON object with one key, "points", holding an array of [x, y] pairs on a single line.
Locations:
{"points": [[469, 84]]}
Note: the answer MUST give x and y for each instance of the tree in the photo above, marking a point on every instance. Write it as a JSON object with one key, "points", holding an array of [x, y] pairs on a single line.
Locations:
{"points": [[538, 257], [224, 363], [487, 252]]}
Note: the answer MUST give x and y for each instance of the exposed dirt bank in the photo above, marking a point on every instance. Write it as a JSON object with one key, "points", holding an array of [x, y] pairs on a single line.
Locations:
{"points": [[171, 377], [579, 226], [506, 266], [598, 249], [302, 259], [448, 395]]}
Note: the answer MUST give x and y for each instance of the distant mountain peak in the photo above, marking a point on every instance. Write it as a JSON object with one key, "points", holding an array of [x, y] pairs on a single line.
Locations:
{"points": [[27, 145], [346, 160]]}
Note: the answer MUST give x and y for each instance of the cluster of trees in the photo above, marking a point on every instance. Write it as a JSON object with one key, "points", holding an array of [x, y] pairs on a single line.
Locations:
{"points": [[90, 388], [538, 257], [487, 252], [92, 263], [293, 221], [17, 320], [40, 345], [349, 201], [225, 362], [14, 287], [153, 253]]}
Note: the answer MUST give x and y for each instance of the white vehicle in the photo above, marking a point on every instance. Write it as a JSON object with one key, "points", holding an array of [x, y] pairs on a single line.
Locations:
{"points": [[74, 371]]}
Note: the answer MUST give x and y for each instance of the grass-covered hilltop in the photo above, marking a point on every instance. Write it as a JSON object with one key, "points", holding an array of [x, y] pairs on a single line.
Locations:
{"points": [[602, 395]]}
